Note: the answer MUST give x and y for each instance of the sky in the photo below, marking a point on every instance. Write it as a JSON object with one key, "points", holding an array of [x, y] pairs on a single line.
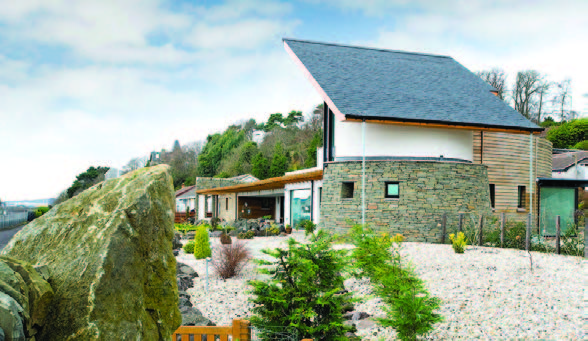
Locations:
{"points": [[95, 83]]}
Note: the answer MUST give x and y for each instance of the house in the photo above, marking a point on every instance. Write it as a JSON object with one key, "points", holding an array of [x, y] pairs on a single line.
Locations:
{"points": [[186, 199], [412, 136], [570, 165], [408, 137], [258, 136]]}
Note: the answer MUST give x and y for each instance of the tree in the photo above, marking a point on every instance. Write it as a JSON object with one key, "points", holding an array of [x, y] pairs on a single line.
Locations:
{"points": [[568, 134], [528, 86], [87, 179], [260, 166], [316, 142], [548, 122], [279, 164], [134, 164], [305, 290], [294, 117], [497, 79], [562, 97], [274, 121]]}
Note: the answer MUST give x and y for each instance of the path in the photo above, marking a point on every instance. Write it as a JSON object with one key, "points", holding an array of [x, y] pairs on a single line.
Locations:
{"points": [[6, 235]]}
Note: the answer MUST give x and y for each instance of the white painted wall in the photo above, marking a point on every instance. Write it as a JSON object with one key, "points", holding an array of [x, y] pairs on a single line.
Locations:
{"points": [[227, 214], [579, 172], [201, 208], [392, 140]]}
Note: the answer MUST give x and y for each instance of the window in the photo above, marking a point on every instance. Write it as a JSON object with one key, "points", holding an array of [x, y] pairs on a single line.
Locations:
{"points": [[392, 190], [300, 206], [347, 190], [227, 204], [522, 197], [492, 195]]}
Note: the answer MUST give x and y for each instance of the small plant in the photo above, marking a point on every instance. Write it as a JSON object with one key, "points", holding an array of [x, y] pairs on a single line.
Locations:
{"points": [[201, 243], [246, 235], [189, 247], [458, 243], [267, 217], [288, 229], [225, 239], [185, 227], [274, 230], [229, 260], [309, 227]]}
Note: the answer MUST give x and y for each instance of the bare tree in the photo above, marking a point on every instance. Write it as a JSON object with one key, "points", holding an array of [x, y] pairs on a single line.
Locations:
{"points": [[497, 79], [544, 87], [134, 164], [562, 97], [526, 92]]}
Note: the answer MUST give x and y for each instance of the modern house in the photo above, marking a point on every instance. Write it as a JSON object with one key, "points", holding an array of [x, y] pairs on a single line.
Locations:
{"points": [[408, 137], [186, 199]]}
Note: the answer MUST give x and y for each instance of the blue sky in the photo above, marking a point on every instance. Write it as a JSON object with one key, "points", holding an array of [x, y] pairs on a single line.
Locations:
{"points": [[100, 82]]}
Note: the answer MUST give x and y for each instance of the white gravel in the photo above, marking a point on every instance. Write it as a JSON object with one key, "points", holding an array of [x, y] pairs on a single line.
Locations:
{"points": [[487, 293]]}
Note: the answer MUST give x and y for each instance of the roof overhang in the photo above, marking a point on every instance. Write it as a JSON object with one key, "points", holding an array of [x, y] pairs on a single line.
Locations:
{"points": [[560, 182], [271, 183], [440, 124]]}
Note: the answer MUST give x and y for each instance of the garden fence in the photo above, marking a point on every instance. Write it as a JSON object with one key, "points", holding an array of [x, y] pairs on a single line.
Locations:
{"points": [[9, 219], [240, 330]]}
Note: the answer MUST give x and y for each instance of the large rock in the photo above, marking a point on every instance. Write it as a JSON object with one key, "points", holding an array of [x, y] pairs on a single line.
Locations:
{"points": [[108, 252]]}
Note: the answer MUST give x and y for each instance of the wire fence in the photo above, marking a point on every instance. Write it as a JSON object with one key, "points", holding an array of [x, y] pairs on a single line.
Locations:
{"points": [[9, 219]]}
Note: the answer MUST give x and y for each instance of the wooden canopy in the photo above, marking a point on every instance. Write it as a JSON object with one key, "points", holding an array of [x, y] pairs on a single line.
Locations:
{"points": [[271, 183]]}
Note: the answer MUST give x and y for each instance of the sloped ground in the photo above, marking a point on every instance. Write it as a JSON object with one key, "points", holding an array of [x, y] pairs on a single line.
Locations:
{"points": [[487, 293]]}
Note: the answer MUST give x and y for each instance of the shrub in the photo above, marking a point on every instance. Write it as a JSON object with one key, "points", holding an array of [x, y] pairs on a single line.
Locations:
{"points": [[229, 260], [246, 235], [185, 227], [189, 247], [304, 291], [201, 243], [309, 227], [514, 236], [582, 145], [225, 239], [458, 243], [274, 230], [371, 251]]}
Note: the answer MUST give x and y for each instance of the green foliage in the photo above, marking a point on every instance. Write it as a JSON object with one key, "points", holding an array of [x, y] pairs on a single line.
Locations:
{"points": [[549, 122], [223, 175], [409, 308], [41, 210], [218, 146], [246, 235], [202, 243], [309, 227], [279, 164], [316, 142], [189, 247], [185, 227], [86, 180], [568, 134], [304, 291], [294, 117], [514, 236], [458, 243], [260, 166], [274, 121], [274, 230], [582, 145]]}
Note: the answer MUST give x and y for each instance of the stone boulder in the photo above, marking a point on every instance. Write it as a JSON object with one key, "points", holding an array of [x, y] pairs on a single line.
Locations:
{"points": [[108, 252], [177, 241], [25, 298]]}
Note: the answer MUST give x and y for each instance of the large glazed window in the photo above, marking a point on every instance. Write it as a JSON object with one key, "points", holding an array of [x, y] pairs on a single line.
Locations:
{"points": [[300, 206]]}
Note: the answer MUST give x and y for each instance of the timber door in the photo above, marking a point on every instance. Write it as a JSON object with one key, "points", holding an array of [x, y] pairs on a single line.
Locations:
{"points": [[557, 201]]}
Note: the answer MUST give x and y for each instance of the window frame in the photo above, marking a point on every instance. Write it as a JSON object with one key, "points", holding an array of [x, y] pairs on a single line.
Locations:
{"points": [[386, 195]]}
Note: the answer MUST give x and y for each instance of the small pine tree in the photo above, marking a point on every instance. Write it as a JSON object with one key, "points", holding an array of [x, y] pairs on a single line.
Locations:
{"points": [[201, 243], [305, 290], [279, 161], [316, 142]]}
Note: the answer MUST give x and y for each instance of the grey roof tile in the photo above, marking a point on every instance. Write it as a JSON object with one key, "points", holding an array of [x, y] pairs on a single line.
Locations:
{"points": [[385, 84]]}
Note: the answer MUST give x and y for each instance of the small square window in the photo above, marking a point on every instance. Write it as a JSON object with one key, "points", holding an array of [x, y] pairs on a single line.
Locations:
{"points": [[347, 190], [392, 190]]}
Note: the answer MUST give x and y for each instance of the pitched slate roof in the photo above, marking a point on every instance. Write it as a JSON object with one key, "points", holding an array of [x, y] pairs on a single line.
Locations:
{"points": [[561, 162], [184, 190], [367, 83]]}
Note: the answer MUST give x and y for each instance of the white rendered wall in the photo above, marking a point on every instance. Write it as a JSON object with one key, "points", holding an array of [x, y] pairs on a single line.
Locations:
{"points": [[580, 172], [201, 208], [393, 140], [227, 214]]}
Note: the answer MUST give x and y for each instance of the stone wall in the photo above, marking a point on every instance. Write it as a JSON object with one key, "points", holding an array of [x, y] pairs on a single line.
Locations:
{"points": [[427, 190]]}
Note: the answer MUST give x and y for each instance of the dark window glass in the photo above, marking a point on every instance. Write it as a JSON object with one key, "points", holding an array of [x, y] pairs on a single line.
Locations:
{"points": [[347, 190], [522, 197], [492, 195]]}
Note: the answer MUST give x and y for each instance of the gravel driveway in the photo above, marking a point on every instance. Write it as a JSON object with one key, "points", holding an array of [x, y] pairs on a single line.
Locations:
{"points": [[487, 293]]}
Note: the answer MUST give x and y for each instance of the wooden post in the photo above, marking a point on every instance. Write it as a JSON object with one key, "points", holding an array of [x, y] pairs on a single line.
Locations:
{"points": [[481, 237], [528, 234], [460, 228], [241, 330], [586, 238], [557, 234], [443, 228], [502, 225]]}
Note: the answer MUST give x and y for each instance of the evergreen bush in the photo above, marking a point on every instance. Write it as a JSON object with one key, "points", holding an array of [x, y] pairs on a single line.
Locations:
{"points": [[201, 243], [305, 290], [189, 247]]}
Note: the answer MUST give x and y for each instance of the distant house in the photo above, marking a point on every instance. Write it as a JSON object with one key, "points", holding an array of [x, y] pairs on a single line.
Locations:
{"points": [[186, 199], [570, 165], [258, 136]]}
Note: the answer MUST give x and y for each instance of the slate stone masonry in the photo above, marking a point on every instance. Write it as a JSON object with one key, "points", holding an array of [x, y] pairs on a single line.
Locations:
{"points": [[427, 190]]}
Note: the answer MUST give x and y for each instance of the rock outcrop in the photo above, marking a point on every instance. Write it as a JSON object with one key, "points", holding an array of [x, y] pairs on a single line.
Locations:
{"points": [[108, 255]]}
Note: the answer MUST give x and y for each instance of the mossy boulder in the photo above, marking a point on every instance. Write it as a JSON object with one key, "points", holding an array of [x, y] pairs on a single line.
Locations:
{"points": [[108, 255]]}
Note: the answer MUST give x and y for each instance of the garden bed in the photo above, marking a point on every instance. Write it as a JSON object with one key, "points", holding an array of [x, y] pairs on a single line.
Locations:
{"points": [[486, 293]]}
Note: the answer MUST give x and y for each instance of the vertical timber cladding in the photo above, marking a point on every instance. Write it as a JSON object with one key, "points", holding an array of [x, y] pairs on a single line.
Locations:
{"points": [[427, 190], [507, 158]]}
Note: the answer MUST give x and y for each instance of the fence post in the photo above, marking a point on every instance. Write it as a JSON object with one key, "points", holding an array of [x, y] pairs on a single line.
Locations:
{"points": [[443, 228], [528, 234], [460, 222], [241, 330], [557, 234], [502, 224], [586, 238], [481, 237]]}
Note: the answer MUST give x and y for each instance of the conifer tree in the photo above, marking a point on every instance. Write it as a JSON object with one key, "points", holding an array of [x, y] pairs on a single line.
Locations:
{"points": [[201, 243], [260, 166], [279, 161]]}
